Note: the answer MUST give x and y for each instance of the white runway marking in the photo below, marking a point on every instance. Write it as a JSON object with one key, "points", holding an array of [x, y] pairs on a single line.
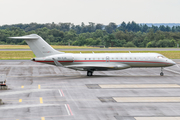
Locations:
{"points": [[60, 93], [147, 99], [141, 86], [67, 109], [157, 118], [172, 71]]}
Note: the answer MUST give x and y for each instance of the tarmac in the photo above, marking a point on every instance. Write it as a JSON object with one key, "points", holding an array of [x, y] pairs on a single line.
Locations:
{"points": [[105, 49], [44, 92]]}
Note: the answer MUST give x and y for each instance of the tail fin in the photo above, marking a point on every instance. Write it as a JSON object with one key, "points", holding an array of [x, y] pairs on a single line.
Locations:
{"points": [[39, 47]]}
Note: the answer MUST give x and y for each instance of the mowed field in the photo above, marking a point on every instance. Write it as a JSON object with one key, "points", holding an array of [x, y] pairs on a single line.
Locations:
{"points": [[27, 55], [54, 46]]}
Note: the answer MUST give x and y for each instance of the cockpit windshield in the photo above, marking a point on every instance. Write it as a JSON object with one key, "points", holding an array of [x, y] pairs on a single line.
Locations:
{"points": [[161, 56]]}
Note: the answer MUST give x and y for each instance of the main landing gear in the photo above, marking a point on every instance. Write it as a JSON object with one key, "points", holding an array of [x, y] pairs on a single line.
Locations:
{"points": [[161, 74], [89, 73]]}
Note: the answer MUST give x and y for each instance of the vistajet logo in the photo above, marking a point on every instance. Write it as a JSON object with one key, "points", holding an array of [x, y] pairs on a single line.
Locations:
{"points": [[47, 51]]}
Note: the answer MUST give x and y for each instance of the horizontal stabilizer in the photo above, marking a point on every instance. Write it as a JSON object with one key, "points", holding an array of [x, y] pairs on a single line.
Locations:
{"points": [[25, 37]]}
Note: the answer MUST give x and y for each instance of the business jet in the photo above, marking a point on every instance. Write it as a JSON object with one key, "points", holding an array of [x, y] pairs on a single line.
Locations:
{"points": [[94, 61]]}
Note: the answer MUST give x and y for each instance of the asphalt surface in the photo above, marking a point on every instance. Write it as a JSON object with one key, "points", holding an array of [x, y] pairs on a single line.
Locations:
{"points": [[105, 49], [45, 92]]}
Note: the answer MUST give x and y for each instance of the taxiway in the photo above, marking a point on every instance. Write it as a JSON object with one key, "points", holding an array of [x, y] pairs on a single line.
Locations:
{"points": [[45, 92]]}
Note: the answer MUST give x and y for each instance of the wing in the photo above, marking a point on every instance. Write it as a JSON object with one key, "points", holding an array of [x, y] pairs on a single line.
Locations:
{"points": [[98, 67]]}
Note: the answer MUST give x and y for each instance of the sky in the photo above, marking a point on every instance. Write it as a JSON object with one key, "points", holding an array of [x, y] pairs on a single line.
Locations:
{"points": [[97, 11]]}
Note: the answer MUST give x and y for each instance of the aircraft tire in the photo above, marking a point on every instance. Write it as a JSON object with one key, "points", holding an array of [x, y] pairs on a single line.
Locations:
{"points": [[89, 73], [161, 74]]}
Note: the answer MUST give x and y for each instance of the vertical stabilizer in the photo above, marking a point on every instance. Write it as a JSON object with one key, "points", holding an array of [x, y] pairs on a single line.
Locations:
{"points": [[39, 47]]}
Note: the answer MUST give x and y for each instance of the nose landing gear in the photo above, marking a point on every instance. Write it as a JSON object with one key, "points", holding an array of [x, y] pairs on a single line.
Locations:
{"points": [[161, 74], [89, 73]]}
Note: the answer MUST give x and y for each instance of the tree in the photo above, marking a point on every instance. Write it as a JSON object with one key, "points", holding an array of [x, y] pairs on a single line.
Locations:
{"points": [[144, 28], [129, 44], [120, 35], [168, 29], [111, 27], [122, 27], [99, 26], [162, 28], [149, 44], [172, 43]]}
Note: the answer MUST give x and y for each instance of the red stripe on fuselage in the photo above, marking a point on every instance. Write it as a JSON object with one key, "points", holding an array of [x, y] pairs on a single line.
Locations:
{"points": [[53, 61], [109, 61]]}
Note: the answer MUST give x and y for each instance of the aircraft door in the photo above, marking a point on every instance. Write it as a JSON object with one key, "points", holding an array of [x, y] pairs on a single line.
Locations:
{"points": [[107, 58]]}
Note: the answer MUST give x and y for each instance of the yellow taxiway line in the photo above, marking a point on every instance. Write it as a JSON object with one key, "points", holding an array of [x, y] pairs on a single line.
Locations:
{"points": [[42, 118], [20, 100], [41, 100], [39, 86]]}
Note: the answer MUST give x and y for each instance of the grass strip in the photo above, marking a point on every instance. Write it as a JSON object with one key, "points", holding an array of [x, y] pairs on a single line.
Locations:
{"points": [[54, 46], [27, 55]]}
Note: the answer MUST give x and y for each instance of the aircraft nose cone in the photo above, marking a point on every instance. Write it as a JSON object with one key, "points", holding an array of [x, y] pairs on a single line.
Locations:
{"points": [[172, 62]]}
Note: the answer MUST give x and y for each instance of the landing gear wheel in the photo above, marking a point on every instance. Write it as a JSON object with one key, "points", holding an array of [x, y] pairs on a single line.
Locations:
{"points": [[89, 73], [161, 74]]}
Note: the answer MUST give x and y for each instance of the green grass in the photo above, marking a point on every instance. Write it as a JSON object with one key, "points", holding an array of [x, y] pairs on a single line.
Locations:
{"points": [[54, 46], [27, 55]]}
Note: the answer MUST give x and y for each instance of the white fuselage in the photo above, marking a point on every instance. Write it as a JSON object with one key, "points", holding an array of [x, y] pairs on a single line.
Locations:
{"points": [[112, 59]]}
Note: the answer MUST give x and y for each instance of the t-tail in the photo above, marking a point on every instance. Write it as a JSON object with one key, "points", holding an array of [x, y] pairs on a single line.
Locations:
{"points": [[39, 47]]}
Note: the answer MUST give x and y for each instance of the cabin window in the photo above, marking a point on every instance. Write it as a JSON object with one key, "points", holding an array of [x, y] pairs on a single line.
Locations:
{"points": [[117, 58], [112, 58], [89, 58], [93, 58], [125, 58], [130, 58], [98, 58], [134, 58], [102, 58], [85, 58]]}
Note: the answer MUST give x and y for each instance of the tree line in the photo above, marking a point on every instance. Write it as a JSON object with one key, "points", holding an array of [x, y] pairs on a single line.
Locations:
{"points": [[111, 35]]}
